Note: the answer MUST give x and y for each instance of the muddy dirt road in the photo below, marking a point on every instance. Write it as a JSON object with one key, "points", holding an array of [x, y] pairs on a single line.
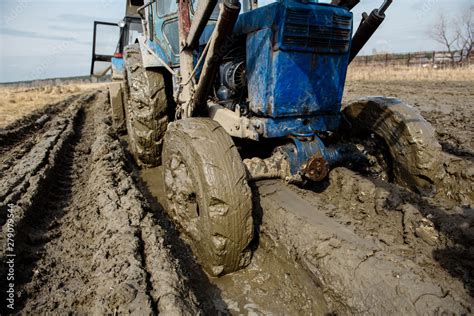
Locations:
{"points": [[87, 230]]}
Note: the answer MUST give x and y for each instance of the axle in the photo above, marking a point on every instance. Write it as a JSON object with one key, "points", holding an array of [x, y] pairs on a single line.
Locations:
{"points": [[305, 157]]}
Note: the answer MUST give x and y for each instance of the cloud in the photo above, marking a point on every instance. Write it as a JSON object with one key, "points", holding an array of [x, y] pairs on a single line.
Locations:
{"points": [[28, 34]]}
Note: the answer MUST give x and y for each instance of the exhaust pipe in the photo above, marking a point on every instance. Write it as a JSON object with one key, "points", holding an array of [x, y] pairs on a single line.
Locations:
{"points": [[200, 20], [368, 26], [217, 48]]}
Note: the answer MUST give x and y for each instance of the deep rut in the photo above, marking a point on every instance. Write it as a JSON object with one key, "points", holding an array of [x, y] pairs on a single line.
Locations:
{"points": [[91, 235], [82, 238]]}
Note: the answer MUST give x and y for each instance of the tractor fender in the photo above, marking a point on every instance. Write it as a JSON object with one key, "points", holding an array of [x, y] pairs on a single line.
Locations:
{"points": [[151, 58]]}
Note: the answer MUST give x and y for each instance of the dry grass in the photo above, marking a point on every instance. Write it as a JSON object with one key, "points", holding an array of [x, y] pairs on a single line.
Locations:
{"points": [[400, 73], [17, 102]]}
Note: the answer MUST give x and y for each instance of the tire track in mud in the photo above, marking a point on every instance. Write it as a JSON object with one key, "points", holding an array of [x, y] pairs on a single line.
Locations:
{"points": [[27, 126], [361, 271], [273, 283], [22, 188], [83, 240], [91, 238], [375, 247], [19, 138]]}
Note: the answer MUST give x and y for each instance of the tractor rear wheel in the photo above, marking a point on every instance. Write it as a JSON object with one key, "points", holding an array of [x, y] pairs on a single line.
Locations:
{"points": [[208, 195], [146, 108], [415, 152]]}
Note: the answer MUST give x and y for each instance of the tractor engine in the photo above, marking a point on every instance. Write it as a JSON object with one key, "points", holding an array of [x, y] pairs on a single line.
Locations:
{"points": [[233, 79], [289, 68]]}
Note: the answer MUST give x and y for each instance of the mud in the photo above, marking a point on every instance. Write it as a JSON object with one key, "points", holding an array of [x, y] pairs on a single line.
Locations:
{"points": [[359, 273], [448, 106], [82, 237], [91, 234], [272, 283]]}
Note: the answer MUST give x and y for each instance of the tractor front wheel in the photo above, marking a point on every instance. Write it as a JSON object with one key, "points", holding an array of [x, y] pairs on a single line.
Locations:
{"points": [[415, 153], [208, 195]]}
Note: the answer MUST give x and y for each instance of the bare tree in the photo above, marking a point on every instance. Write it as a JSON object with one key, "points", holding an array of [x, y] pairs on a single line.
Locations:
{"points": [[464, 30], [456, 35], [445, 35]]}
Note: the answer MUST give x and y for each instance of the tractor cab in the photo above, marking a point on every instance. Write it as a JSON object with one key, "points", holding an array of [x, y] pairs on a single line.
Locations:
{"points": [[107, 54]]}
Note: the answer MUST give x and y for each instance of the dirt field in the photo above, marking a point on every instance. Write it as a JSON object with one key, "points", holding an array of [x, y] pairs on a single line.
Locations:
{"points": [[90, 234], [20, 101]]}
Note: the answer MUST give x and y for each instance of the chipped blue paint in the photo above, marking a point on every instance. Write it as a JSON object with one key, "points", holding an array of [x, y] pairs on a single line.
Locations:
{"points": [[297, 58], [285, 126], [158, 49], [118, 66]]}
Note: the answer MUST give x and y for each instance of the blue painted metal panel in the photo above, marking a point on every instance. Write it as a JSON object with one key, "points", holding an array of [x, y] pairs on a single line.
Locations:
{"points": [[304, 71], [285, 126], [259, 70], [160, 43], [118, 65], [158, 49], [297, 58], [305, 83], [258, 19]]}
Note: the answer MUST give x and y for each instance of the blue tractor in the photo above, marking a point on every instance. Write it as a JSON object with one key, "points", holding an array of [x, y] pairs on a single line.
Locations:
{"points": [[223, 92]]}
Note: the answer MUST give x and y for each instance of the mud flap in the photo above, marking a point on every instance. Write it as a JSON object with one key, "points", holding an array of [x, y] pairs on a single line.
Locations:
{"points": [[116, 103]]}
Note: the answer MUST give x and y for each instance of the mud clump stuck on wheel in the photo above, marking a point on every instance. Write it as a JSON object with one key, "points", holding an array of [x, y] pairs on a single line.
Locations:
{"points": [[208, 195]]}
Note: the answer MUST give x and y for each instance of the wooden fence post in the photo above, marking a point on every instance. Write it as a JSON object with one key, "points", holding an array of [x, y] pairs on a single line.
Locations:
{"points": [[386, 60], [408, 60]]}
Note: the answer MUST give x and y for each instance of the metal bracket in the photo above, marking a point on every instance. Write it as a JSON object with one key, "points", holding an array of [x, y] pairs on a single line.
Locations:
{"points": [[234, 124], [150, 58]]}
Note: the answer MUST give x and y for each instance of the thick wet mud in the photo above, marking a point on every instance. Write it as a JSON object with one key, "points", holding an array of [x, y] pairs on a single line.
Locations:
{"points": [[77, 227], [91, 235], [448, 106], [272, 283]]}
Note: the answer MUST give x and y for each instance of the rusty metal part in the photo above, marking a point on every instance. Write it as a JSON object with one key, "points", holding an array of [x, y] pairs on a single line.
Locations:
{"points": [[225, 24], [317, 168], [200, 19], [139, 10], [133, 9], [185, 55]]}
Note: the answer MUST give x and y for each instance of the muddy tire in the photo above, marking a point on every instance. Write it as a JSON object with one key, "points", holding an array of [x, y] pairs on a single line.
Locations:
{"points": [[207, 193], [415, 152], [146, 108]]}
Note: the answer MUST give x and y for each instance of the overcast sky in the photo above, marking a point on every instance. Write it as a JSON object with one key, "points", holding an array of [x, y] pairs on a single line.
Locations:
{"points": [[52, 38]]}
